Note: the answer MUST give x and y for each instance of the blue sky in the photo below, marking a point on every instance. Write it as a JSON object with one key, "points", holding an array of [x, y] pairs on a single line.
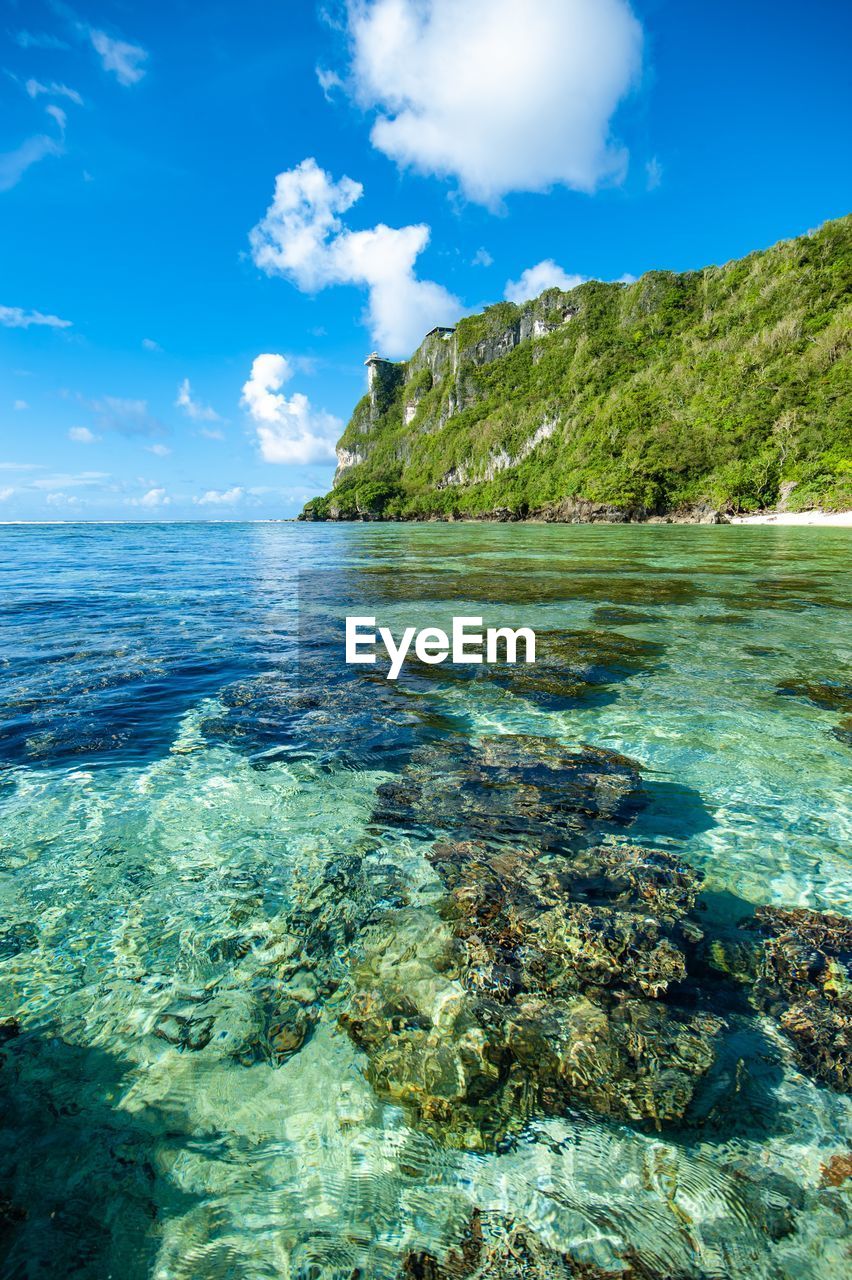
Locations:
{"points": [[182, 338]]}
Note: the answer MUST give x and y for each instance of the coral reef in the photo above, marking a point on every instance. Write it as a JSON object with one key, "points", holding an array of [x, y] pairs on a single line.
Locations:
{"points": [[546, 977], [515, 789], [806, 982]]}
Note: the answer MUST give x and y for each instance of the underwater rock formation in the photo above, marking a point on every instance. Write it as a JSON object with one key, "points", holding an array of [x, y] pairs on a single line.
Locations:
{"points": [[546, 978], [796, 965], [513, 788], [501, 1248], [828, 697], [570, 668], [805, 982]]}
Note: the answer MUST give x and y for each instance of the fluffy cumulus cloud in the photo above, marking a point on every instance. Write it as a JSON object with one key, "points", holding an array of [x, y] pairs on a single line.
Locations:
{"points": [[220, 497], [17, 318], [82, 435], [549, 275], [544, 275], [500, 95], [194, 408], [125, 61], [303, 238], [288, 429], [152, 499]]}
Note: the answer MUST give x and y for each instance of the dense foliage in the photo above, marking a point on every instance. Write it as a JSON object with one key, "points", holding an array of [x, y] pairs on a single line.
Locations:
{"points": [[717, 385]]}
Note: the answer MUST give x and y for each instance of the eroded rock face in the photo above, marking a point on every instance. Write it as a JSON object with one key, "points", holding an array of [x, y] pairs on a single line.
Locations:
{"points": [[548, 976]]}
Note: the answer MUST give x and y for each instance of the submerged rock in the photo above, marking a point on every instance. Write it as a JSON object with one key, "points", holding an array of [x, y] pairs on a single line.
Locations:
{"points": [[828, 696], [797, 967], [805, 981], [572, 666], [513, 788], [546, 979], [822, 693], [501, 1248]]}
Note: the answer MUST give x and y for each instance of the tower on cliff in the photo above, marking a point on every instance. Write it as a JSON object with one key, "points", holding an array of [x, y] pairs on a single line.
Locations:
{"points": [[383, 377]]}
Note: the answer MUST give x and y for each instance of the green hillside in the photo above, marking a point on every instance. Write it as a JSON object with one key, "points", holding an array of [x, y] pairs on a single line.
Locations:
{"points": [[729, 386]]}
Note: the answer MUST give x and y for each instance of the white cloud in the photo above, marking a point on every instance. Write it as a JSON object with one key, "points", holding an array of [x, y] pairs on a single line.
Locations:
{"points": [[153, 498], [653, 174], [211, 433], [160, 450], [20, 404], [544, 275], [194, 408], [549, 275], [303, 238], [79, 480], [82, 435], [17, 318], [53, 90], [57, 114], [38, 40], [126, 416], [501, 95], [5, 494], [288, 430], [62, 500], [328, 81], [482, 258], [149, 344], [122, 59], [220, 497], [14, 164]]}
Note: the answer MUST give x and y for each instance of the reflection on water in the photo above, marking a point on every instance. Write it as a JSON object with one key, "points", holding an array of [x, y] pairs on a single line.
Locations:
{"points": [[304, 974]]}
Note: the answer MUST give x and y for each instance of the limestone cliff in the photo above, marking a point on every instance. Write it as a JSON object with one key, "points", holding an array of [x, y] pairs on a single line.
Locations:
{"points": [[681, 393]]}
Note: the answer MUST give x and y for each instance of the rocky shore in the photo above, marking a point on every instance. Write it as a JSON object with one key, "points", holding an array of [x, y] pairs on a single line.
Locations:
{"points": [[568, 511], [581, 511]]}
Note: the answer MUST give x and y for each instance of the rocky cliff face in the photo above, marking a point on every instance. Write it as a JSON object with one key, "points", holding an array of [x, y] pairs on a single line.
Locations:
{"points": [[445, 357], [673, 397]]}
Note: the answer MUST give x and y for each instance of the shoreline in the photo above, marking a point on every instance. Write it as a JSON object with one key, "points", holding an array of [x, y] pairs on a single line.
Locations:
{"points": [[834, 519], [820, 519]]}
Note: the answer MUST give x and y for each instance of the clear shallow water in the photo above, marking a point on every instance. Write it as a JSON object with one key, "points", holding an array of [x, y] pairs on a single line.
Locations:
{"points": [[190, 862]]}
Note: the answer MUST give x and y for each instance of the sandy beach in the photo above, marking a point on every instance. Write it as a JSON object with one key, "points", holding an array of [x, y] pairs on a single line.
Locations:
{"points": [[838, 518]]}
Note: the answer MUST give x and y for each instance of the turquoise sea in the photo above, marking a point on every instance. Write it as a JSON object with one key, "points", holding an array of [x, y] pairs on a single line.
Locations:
{"points": [[226, 935]]}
